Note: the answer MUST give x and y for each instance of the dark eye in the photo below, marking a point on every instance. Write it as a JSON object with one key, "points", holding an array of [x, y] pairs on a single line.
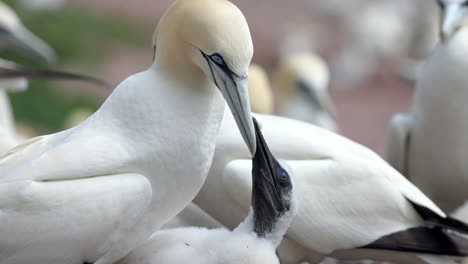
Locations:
{"points": [[284, 176], [465, 3], [217, 59]]}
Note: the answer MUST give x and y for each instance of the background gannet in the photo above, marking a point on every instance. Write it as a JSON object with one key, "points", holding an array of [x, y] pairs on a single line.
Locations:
{"points": [[13, 78], [255, 240], [301, 84], [429, 145], [260, 93], [358, 196], [15, 36], [94, 192]]}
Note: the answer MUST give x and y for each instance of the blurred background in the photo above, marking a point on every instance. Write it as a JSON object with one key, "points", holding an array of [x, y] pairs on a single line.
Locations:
{"points": [[373, 49]]}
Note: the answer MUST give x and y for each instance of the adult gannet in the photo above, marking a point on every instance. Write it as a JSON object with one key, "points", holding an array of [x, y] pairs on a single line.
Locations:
{"points": [[94, 192], [260, 93], [301, 84], [255, 240], [429, 144], [15, 36], [349, 196]]}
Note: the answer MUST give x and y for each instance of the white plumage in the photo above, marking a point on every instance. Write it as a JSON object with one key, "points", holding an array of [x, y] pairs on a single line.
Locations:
{"points": [[95, 191], [254, 241], [349, 196], [429, 145]]}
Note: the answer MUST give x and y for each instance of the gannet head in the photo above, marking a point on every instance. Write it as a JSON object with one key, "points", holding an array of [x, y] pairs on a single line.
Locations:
{"points": [[213, 36], [14, 36], [260, 93], [308, 75], [453, 17], [273, 198]]}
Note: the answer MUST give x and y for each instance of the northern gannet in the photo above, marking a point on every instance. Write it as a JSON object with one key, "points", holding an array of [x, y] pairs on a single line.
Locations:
{"points": [[301, 84], [349, 196], [429, 144], [260, 92], [15, 36], [273, 206], [92, 193]]}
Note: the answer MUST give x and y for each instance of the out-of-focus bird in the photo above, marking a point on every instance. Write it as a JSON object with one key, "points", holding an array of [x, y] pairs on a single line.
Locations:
{"points": [[16, 37], [429, 145], [92, 193], [301, 84], [260, 92], [390, 34], [255, 240], [361, 200], [13, 78]]}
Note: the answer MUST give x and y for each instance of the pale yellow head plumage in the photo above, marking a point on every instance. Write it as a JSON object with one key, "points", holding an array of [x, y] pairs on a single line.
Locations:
{"points": [[209, 26], [208, 40], [260, 93], [306, 67]]}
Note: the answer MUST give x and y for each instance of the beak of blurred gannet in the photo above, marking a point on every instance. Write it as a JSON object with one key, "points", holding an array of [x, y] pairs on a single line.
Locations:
{"points": [[15, 37], [22, 72]]}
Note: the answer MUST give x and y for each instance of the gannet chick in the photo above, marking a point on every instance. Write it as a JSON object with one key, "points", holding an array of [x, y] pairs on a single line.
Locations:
{"points": [[15, 36], [260, 93], [301, 84], [255, 240], [429, 144], [359, 197], [92, 193]]}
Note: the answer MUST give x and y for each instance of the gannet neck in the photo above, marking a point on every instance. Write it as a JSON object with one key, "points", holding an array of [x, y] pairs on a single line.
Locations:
{"points": [[280, 226]]}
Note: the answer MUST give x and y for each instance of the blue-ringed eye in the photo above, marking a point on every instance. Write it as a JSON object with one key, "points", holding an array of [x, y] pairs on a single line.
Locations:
{"points": [[217, 59], [283, 176]]}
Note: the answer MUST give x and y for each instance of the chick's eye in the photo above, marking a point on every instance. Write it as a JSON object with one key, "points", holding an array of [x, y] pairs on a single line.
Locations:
{"points": [[217, 59], [283, 176]]}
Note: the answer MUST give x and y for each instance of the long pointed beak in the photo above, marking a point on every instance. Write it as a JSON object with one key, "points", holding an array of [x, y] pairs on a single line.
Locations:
{"points": [[22, 72], [235, 92], [27, 44], [451, 21]]}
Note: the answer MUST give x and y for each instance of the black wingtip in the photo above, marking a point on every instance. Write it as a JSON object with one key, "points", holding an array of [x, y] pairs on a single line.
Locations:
{"points": [[436, 220], [424, 240]]}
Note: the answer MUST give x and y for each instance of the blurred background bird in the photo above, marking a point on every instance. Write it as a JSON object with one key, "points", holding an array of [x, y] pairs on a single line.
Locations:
{"points": [[355, 67]]}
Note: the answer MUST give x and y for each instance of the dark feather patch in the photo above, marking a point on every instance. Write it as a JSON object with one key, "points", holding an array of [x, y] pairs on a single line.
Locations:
{"points": [[436, 220], [424, 240]]}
